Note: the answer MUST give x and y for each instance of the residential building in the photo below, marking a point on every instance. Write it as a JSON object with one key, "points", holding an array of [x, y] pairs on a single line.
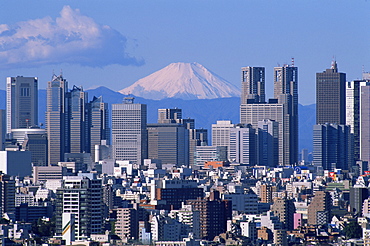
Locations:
{"points": [[214, 214], [82, 197], [319, 210], [284, 209], [127, 224]]}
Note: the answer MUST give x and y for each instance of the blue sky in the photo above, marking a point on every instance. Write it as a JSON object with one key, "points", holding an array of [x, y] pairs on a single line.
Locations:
{"points": [[114, 43]]}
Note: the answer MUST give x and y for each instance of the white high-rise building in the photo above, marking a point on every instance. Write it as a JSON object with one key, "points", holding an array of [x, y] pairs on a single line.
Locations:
{"points": [[129, 134], [21, 102], [242, 145], [221, 133]]}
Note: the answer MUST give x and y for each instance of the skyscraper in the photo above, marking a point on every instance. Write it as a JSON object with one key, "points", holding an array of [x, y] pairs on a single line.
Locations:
{"points": [[98, 122], [354, 109], [331, 146], [77, 119], [268, 143], [72, 124], [21, 102], [243, 145], [286, 91], [2, 128], [331, 96], [253, 84], [283, 109], [168, 142], [221, 133], [56, 119], [364, 123], [129, 134]]}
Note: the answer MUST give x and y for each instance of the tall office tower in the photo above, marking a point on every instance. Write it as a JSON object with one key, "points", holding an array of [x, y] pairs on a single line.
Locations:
{"points": [[283, 109], [56, 119], [77, 119], [253, 113], [353, 109], [98, 121], [286, 91], [129, 134], [330, 96], [2, 128], [284, 209], [82, 197], [168, 143], [331, 146], [21, 102], [253, 84], [169, 115], [243, 145], [268, 143], [319, 210], [221, 133], [365, 123]]}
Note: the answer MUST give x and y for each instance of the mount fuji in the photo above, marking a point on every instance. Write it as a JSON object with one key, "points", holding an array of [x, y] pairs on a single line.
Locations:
{"points": [[184, 81]]}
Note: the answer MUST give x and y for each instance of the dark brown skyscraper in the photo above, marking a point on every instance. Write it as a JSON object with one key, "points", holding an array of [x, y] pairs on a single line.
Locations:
{"points": [[331, 96]]}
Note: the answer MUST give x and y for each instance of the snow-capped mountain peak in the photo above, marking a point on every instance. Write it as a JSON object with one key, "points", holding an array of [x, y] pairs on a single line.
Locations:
{"points": [[182, 80]]}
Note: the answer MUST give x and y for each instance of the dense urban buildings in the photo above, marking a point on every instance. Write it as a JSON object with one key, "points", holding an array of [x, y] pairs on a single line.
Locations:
{"points": [[163, 183]]}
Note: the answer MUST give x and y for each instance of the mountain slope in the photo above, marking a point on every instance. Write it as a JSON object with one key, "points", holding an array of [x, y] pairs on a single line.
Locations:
{"points": [[182, 80]]}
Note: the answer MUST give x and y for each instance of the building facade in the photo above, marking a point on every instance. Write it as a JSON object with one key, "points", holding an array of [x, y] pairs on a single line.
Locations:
{"points": [[21, 102], [253, 84], [129, 133], [331, 96]]}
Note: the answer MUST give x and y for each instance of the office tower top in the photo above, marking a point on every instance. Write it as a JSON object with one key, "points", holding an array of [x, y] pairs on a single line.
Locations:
{"points": [[169, 115], [56, 128], [253, 84], [21, 102], [331, 96], [286, 82], [129, 134]]}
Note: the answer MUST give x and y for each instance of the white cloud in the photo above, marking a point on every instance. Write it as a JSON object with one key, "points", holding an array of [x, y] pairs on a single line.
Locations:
{"points": [[72, 38]]}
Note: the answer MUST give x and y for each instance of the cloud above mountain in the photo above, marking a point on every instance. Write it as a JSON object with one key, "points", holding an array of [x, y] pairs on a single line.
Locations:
{"points": [[71, 38]]}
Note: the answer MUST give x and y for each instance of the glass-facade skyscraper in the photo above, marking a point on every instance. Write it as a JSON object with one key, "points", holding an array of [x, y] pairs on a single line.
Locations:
{"points": [[331, 96], [21, 102]]}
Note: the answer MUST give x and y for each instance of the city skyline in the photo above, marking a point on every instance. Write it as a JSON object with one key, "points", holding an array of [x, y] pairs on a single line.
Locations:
{"points": [[183, 32]]}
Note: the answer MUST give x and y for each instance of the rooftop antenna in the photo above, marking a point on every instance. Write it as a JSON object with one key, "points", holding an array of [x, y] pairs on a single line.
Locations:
{"points": [[61, 72], [292, 61]]}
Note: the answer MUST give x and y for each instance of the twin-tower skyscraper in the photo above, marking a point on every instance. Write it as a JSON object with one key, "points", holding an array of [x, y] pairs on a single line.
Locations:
{"points": [[283, 108]]}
